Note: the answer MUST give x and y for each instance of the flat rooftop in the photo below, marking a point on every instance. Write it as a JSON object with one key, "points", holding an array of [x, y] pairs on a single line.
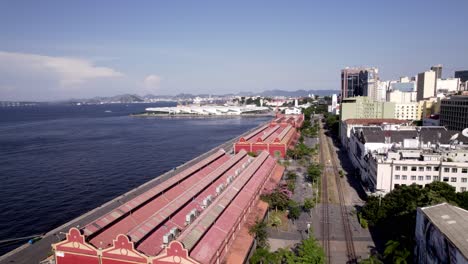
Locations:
{"points": [[452, 221]]}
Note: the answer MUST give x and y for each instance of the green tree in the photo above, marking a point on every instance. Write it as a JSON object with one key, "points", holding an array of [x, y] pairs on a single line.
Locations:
{"points": [[294, 210], [276, 200], [398, 208], [462, 200], [313, 172], [308, 204], [286, 256], [291, 175], [443, 189], [275, 220], [395, 253], [373, 259], [263, 256], [309, 251], [291, 186], [258, 230]]}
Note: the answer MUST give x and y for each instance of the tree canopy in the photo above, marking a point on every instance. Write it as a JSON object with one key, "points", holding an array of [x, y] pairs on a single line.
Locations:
{"points": [[261, 235], [398, 209]]}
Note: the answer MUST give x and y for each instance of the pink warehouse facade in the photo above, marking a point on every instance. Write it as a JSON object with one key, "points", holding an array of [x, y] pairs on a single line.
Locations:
{"points": [[275, 137]]}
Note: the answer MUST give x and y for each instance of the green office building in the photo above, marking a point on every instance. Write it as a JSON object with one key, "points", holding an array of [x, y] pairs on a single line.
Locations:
{"points": [[364, 107]]}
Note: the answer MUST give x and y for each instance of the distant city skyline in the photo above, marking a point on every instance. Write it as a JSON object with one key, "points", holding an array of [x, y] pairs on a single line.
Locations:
{"points": [[55, 50]]}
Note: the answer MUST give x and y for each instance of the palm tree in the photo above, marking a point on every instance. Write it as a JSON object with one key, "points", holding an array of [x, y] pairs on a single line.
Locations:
{"points": [[395, 252]]}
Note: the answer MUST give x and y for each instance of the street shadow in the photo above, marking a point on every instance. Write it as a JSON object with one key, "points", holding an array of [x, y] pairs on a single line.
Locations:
{"points": [[376, 235], [347, 166]]}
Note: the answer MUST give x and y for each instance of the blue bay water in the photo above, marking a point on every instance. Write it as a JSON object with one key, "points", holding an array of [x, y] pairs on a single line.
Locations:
{"points": [[58, 162]]}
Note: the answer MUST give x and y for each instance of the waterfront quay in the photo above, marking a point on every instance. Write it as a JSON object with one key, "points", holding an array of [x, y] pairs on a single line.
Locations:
{"points": [[42, 249]]}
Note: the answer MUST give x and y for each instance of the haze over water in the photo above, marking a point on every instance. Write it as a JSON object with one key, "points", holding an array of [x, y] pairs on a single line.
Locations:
{"points": [[58, 162]]}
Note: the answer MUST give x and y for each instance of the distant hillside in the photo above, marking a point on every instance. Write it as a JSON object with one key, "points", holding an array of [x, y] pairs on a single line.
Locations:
{"points": [[132, 98], [124, 98], [298, 93]]}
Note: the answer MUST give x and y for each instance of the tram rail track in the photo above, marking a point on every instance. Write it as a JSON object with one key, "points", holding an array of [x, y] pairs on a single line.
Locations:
{"points": [[350, 249]]}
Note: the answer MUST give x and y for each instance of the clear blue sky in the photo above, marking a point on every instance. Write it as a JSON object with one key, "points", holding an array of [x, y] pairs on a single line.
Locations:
{"points": [[63, 49]]}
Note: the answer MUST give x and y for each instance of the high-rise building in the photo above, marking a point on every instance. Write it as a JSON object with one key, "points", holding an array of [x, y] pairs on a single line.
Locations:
{"points": [[359, 82], [438, 70], [454, 113], [463, 75], [426, 85]]}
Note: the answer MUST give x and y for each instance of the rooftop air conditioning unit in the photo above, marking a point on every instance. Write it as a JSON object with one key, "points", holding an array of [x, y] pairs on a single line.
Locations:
{"points": [[194, 212], [175, 231], [244, 165], [168, 238], [207, 201], [229, 179], [237, 172], [191, 216], [220, 188]]}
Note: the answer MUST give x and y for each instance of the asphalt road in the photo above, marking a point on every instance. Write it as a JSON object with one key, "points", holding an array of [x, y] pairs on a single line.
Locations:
{"points": [[40, 250]]}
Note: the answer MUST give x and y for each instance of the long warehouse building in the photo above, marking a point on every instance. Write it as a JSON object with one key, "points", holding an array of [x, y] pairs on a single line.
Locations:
{"points": [[193, 217], [275, 138]]}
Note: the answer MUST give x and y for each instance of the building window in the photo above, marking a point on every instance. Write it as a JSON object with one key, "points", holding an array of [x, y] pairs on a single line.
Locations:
{"points": [[413, 178], [397, 168], [436, 168], [420, 178], [464, 170], [446, 170], [436, 178], [421, 168], [428, 177], [404, 177], [405, 168], [428, 168], [463, 189], [413, 168], [446, 179], [454, 170], [463, 179], [397, 177], [453, 179]]}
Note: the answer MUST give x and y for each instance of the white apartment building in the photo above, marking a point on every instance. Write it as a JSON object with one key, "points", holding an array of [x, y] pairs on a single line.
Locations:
{"points": [[405, 79], [398, 96], [381, 91], [449, 85], [426, 85], [387, 159], [334, 108], [400, 167], [408, 111], [346, 126]]}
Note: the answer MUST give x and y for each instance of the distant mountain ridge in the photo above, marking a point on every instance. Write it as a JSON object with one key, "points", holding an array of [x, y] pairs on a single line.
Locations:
{"points": [[124, 98], [133, 98], [298, 92], [275, 92]]}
